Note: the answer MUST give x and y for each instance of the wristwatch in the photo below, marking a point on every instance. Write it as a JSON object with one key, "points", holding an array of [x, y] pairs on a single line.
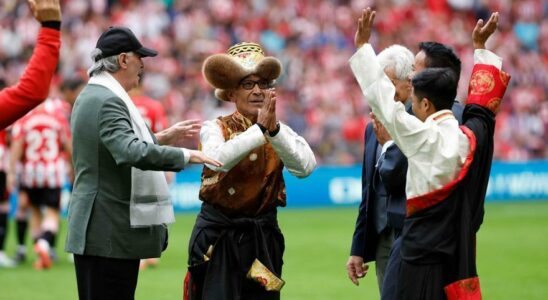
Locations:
{"points": [[275, 131]]}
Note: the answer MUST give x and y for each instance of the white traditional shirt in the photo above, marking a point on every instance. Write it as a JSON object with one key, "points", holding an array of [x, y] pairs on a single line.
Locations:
{"points": [[292, 149], [436, 148]]}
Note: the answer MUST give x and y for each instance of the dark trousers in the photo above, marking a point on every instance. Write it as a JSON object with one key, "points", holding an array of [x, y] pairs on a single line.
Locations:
{"points": [[102, 278], [389, 290]]}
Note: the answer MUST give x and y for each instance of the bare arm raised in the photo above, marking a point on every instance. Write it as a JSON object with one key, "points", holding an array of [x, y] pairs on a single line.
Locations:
{"points": [[482, 31]]}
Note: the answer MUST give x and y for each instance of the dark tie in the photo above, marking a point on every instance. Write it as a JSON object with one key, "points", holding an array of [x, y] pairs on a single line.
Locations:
{"points": [[380, 196]]}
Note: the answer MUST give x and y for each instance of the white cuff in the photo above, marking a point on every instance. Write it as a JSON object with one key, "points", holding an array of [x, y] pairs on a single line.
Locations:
{"points": [[186, 155], [486, 57], [386, 145]]}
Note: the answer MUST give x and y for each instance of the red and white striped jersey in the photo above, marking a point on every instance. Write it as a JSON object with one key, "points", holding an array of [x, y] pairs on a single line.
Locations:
{"points": [[43, 163], [152, 111], [4, 158], [58, 106]]}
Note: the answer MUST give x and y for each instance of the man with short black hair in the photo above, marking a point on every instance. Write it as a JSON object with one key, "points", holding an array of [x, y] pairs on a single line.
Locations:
{"points": [[448, 165]]}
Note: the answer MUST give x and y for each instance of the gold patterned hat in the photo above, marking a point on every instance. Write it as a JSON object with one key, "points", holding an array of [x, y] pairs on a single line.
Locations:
{"points": [[225, 71]]}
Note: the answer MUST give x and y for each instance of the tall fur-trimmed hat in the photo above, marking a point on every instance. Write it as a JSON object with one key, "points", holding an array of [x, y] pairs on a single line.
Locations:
{"points": [[225, 71]]}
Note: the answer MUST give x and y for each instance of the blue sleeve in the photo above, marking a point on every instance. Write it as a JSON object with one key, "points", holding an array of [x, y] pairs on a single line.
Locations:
{"points": [[358, 240]]}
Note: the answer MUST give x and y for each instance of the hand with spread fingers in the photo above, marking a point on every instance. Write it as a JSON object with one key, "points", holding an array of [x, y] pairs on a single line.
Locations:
{"points": [[365, 23], [45, 10], [482, 31], [198, 157], [180, 131]]}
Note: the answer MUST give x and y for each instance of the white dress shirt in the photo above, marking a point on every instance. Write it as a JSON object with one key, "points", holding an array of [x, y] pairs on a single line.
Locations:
{"points": [[437, 148], [292, 149]]}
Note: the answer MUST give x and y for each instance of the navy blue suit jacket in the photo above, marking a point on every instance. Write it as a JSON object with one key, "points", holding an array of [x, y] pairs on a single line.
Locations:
{"points": [[393, 171]]}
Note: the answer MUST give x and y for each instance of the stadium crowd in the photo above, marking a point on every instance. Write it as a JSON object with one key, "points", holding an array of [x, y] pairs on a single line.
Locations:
{"points": [[317, 95]]}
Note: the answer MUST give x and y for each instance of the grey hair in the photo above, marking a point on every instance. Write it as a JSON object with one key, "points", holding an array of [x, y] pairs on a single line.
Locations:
{"points": [[109, 64], [398, 58]]}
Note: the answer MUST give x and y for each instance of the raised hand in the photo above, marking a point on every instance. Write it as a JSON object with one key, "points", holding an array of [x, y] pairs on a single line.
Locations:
{"points": [[198, 157], [365, 23], [180, 131], [45, 10], [482, 31], [267, 114]]}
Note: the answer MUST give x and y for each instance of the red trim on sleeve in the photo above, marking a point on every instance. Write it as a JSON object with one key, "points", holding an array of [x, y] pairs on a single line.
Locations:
{"points": [[487, 86], [434, 197], [465, 289]]}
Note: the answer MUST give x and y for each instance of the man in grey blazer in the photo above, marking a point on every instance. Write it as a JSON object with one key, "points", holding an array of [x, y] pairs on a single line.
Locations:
{"points": [[120, 202]]}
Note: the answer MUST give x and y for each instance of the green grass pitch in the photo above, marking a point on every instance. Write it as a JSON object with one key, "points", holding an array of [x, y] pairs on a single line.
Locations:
{"points": [[512, 258]]}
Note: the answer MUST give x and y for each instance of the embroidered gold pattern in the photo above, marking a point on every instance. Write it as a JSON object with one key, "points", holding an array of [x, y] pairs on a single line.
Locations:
{"points": [[211, 180], [245, 47], [470, 285], [482, 82], [261, 274], [494, 105], [504, 77], [247, 54]]}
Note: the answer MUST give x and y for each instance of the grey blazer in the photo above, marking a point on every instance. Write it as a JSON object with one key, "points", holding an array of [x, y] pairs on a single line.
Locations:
{"points": [[105, 148]]}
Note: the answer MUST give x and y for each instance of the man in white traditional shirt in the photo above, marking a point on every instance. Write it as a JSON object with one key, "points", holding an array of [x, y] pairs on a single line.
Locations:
{"points": [[236, 232], [448, 166]]}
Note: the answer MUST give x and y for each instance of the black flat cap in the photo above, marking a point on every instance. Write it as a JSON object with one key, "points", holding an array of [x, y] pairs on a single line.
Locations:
{"points": [[117, 40]]}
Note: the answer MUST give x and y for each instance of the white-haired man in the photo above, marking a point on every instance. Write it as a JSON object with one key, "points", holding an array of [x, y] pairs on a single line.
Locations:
{"points": [[382, 210], [119, 206]]}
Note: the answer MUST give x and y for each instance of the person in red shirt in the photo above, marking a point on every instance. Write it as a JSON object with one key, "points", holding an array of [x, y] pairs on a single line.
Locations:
{"points": [[152, 111], [33, 87], [5, 261], [41, 144]]}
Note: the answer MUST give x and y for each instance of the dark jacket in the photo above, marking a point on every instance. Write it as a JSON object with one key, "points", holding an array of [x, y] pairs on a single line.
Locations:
{"points": [[105, 148], [393, 172]]}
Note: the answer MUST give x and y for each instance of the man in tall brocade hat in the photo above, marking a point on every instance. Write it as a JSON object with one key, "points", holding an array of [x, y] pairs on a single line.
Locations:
{"points": [[236, 247]]}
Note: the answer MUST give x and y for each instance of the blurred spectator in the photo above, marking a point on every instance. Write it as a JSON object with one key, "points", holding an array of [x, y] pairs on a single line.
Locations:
{"points": [[317, 95]]}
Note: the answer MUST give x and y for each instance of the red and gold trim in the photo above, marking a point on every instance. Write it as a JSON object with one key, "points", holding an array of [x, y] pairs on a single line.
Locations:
{"points": [[187, 286], [432, 198], [465, 289], [487, 86], [444, 115]]}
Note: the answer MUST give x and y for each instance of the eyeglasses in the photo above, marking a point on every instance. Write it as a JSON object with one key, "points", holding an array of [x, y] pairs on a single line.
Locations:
{"points": [[250, 84]]}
